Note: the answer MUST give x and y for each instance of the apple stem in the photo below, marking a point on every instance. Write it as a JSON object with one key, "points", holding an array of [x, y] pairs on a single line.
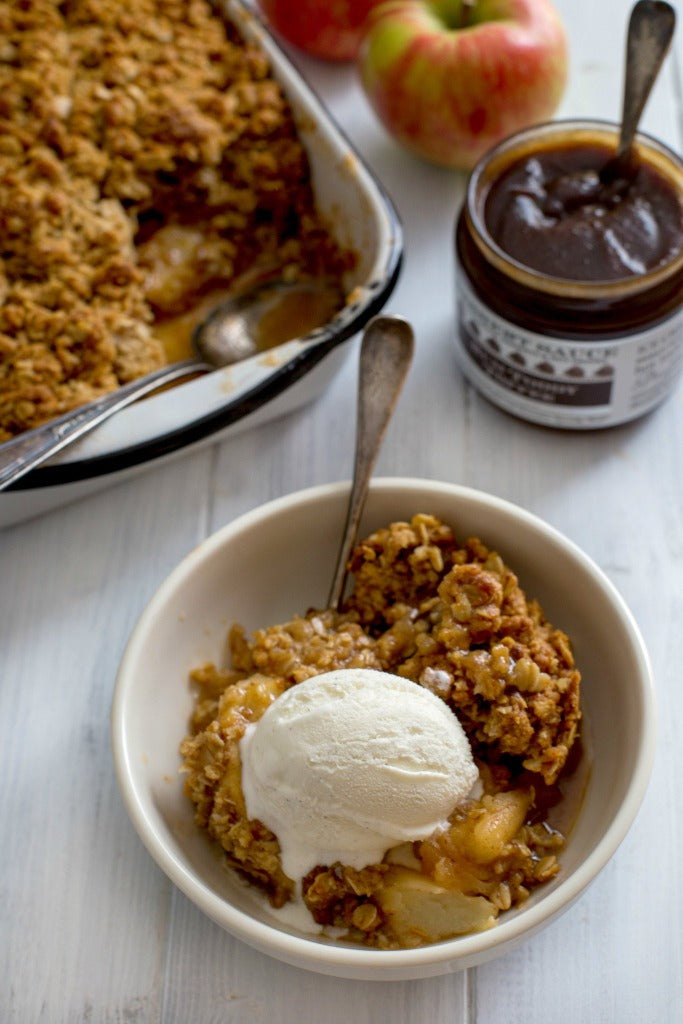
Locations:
{"points": [[467, 12]]}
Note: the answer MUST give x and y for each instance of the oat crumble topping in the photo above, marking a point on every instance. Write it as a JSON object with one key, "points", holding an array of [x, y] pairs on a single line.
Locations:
{"points": [[451, 617]]}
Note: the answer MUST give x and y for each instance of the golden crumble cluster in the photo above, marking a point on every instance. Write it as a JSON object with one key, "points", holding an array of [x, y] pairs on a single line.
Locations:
{"points": [[147, 156], [453, 618]]}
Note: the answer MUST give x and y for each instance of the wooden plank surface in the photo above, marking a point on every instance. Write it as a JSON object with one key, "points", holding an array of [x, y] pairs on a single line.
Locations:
{"points": [[90, 929]]}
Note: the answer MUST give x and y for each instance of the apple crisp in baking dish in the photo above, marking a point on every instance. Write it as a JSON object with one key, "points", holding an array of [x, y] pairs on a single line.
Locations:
{"points": [[148, 161], [450, 617]]}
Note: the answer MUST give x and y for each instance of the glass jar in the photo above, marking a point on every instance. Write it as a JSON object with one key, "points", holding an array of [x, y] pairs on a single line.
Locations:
{"points": [[563, 351]]}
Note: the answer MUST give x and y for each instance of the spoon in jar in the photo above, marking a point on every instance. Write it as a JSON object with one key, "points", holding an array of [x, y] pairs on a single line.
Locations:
{"points": [[250, 321], [385, 357], [650, 30]]}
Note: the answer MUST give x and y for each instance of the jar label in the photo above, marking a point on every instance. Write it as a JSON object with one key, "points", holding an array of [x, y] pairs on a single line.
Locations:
{"points": [[564, 382]]}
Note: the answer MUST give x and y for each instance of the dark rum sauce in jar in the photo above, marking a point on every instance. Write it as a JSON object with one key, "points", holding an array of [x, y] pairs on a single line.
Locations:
{"points": [[570, 276]]}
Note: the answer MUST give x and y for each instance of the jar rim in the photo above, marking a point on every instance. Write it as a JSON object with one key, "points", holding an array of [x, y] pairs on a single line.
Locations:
{"points": [[524, 142]]}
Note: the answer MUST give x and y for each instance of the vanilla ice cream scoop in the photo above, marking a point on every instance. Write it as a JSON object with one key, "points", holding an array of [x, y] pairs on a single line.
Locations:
{"points": [[347, 764]]}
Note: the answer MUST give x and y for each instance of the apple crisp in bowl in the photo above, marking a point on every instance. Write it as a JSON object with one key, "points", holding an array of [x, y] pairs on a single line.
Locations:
{"points": [[465, 622], [451, 617]]}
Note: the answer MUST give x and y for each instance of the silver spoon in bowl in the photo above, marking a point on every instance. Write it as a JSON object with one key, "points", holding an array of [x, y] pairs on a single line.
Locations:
{"points": [[239, 327], [650, 30], [385, 357]]}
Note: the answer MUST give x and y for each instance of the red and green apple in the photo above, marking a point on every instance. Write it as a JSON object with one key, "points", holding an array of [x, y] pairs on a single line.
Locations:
{"points": [[450, 78]]}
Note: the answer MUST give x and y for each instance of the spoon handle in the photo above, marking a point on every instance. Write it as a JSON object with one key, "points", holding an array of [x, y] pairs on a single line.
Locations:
{"points": [[385, 356], [651, 27], [29, 450]]}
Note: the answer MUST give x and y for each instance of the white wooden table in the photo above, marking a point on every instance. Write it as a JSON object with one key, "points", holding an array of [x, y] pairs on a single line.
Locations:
{"points": [[90, 929]]}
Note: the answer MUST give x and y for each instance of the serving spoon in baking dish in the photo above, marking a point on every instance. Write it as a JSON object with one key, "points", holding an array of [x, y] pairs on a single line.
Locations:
{"points": [[267, 314]]}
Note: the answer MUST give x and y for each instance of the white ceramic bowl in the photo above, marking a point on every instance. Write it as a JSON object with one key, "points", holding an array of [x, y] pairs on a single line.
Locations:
{"points": [[278, 560]]}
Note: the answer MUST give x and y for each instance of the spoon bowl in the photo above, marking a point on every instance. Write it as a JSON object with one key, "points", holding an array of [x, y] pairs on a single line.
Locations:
{"points": [[265, 315]]}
